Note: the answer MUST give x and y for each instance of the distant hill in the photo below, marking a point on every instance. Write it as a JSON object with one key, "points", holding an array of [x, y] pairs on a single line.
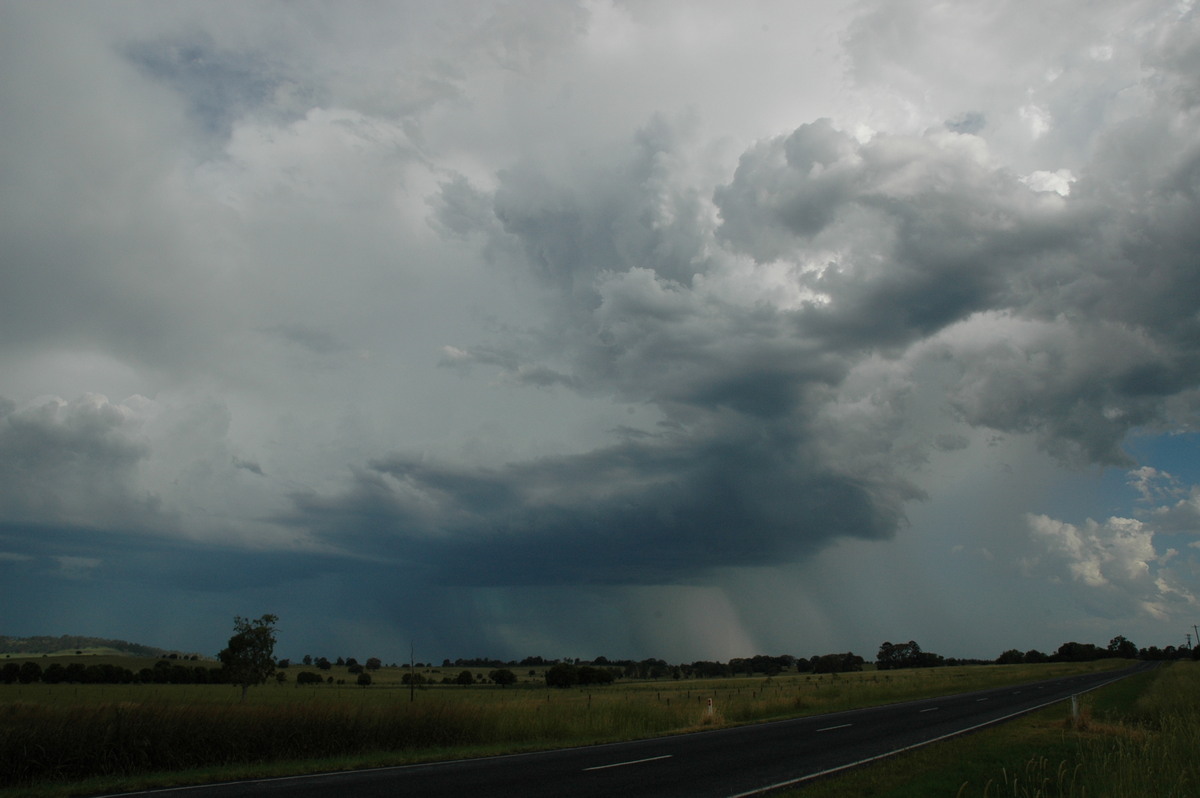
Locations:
{"points": [[54, 645]]}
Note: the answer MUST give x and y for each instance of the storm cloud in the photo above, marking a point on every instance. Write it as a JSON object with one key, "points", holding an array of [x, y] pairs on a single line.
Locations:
{"points": [[676, 308]]}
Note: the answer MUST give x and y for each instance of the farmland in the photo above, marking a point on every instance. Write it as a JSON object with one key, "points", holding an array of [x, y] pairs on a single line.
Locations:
{"points": [[91, 734]]}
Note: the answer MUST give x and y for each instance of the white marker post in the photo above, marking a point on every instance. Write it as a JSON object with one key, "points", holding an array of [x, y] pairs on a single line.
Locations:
{"points": [[710, 710]]}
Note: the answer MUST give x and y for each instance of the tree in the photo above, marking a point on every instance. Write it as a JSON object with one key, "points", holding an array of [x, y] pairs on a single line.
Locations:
{"points": [[249, 659], [364, 679], [503, 677], [30, 672], [1120, 647], [374, 664], [562, 674], [1011, 657], [464, 678]]}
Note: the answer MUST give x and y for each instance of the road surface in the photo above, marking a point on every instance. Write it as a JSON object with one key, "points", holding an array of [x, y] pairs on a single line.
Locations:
{"points": [[742, 761]]}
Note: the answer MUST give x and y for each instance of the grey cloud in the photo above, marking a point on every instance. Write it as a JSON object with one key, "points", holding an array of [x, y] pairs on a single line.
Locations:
{"points": [[72, 462], [912, 234], [630, 215], [248, 465], [314, 339], [218, 86], [639, 512], [951, 442], [971, 122]]}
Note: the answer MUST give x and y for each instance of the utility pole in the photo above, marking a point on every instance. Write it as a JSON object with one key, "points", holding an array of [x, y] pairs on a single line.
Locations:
{"points": [[412, 673]]}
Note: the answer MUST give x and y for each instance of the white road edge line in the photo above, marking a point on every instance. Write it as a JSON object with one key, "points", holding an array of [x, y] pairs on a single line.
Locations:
{"points": [[877, 757], [931, 709], [831, 728], [630, 762]]}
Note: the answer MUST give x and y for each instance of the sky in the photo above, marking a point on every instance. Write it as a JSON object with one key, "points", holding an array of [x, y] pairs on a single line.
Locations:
{"points": [[688, 330]]}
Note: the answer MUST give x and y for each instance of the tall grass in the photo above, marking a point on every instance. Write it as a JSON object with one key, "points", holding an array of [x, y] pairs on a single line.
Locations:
{"points": [[1150, 747]]}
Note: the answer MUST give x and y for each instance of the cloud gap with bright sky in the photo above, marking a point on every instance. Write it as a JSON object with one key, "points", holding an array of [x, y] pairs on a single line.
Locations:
{"points": [[567, 329]]}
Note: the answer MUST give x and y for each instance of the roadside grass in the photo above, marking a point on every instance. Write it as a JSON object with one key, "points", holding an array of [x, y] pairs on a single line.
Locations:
{"points": [[77, 739], [1136, 738]]}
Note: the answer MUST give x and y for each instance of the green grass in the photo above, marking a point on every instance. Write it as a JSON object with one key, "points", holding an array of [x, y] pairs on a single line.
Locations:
{"points": [[73, 739]]}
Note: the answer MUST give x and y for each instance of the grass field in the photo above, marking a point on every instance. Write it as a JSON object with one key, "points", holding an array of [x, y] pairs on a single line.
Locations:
{"points": [[71, 739]]}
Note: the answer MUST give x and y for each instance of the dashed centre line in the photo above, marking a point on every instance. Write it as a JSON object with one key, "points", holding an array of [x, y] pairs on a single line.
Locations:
{"points": [[831, 728], [931, 709]]}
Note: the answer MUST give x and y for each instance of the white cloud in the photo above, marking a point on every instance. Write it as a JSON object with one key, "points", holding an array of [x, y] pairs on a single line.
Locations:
{"points": [[1117, 556]]}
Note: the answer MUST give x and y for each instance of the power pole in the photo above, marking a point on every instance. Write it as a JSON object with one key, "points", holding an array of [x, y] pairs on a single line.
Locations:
{"points": [[412, 673]]}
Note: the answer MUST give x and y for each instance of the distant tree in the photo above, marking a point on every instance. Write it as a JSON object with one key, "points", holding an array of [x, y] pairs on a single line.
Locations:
{"points": [[249, 658], [838, 663], [323, 663], [307, 659], [54, 674], [29, 673], [1010, 657], [503, 677], [364, 679], [906, 655], [1120, 647], [464, 678], [10, 672], [355, 668], [281, 677], [308, 677], [284, 663], [414, 679], [1078, 652], [374, 664], [562, 674]]}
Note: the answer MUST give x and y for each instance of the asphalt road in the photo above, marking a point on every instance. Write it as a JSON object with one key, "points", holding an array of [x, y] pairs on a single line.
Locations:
{"points": [[742, 761]]}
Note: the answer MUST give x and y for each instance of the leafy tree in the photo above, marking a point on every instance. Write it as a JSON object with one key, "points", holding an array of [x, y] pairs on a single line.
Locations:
{"points": [[838, 663], [249, 658], [308, 677], [1120, 647], [503, 677], [374, 664], [1011, 657], [10, 672], [906, 655], [562, 674], [54, 674], [364, 679], [29, 673], [464, 678]]}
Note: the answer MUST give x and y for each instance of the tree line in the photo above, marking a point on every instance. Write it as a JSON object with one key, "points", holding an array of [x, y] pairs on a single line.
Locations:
{"points": [[249, 660]]}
